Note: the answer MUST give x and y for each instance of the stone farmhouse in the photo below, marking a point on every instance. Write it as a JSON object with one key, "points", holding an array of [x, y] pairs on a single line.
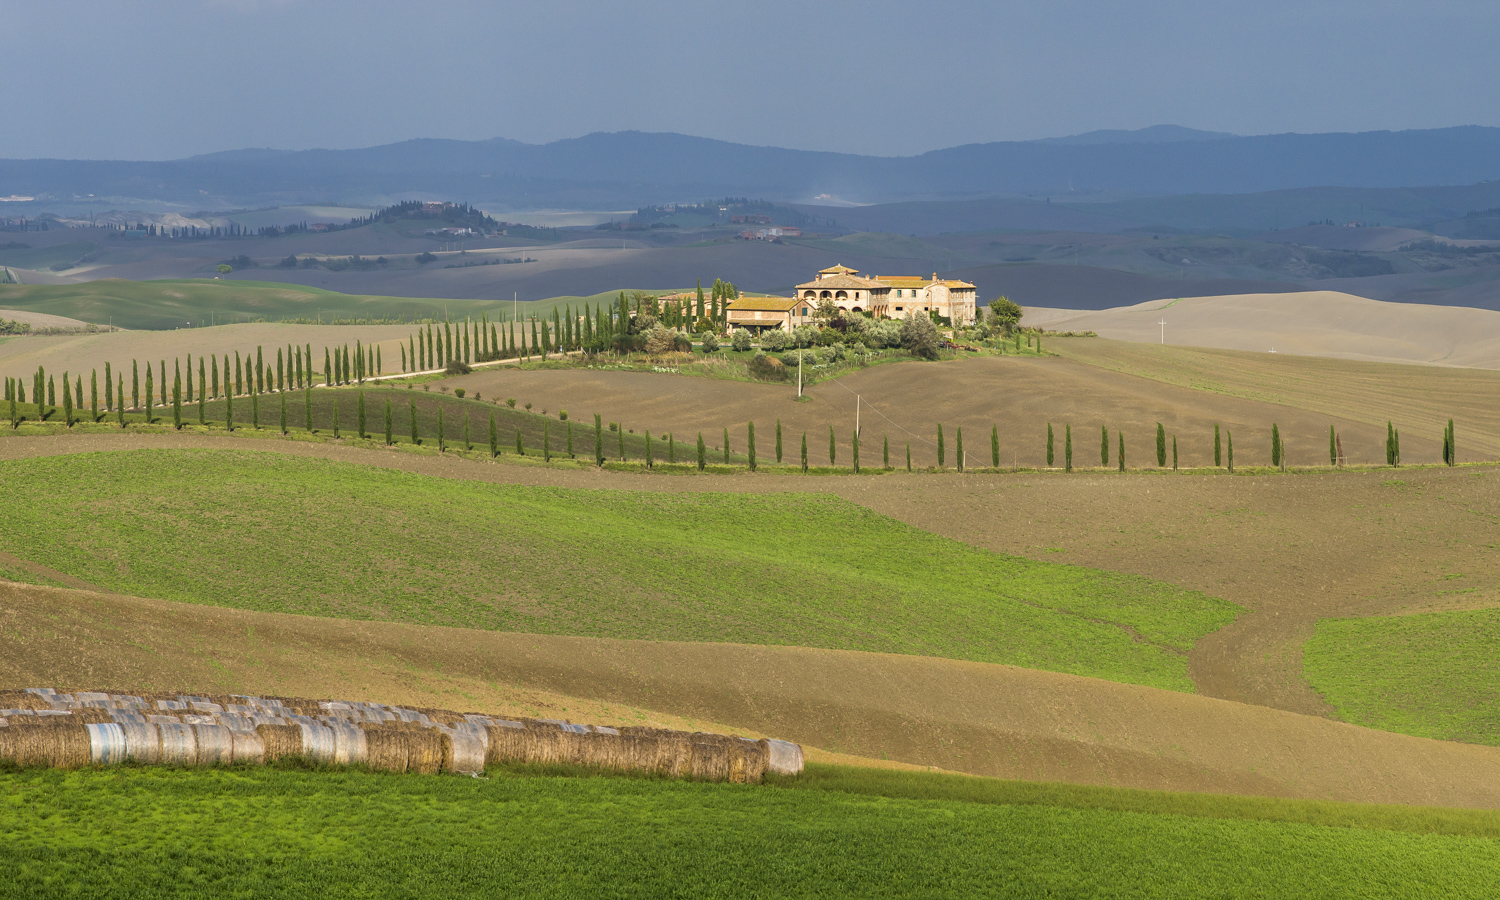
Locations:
{"points": [[892, 297], [764, 313]]}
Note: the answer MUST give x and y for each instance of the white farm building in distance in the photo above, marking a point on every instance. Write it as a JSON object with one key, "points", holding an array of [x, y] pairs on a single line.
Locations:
{"points": [[892, 297]]}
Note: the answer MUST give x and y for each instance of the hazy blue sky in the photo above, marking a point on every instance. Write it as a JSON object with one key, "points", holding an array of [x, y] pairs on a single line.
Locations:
{"points": [[170, 78]]}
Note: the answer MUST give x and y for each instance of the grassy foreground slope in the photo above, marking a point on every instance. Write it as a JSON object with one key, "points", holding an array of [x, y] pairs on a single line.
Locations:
{"points": [[281, 534], [246, 833], [1431, 675]]}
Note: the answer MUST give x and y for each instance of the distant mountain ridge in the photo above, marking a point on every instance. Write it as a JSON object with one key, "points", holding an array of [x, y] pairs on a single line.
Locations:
{"points": [[627, 169]]}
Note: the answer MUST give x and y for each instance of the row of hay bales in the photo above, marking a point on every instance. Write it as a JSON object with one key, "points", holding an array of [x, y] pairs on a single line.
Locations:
{"points": [[41, 727]]}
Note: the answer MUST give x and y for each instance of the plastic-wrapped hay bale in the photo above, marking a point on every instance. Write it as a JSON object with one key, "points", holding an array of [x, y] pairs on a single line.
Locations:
{"points": [[462, 752], [199, 719], [179, 744], [142, 741], [248, 747], [350, 746], [280, 741], [164, 720], [236, 722], [171, 705], [106, 744], [783, 757], [424, 752], [90, 696], [215, 745], [317, 741]]}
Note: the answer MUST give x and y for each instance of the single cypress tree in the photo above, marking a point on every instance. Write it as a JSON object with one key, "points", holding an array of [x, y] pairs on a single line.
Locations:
{"points": [[67, 402], [202, 392], [77, 392], [751, 445], [494, 437], [598, 439], [520, 447], [1275, 446], [255, 411], [1390, 444], [109, 388], [908, 456], [280, 371], [1398, 446], [162, 382], [804, 453], [832, 447], [283, 412], [215, 370], [1229, 450], [1103, 446], [1449, 446], [941, 448], [726, 446], [442, 431], [855, 445], [52, 389], [995, 447], [229, 411], [416, 436], [135, 385], [1049, 445], [260, 368], [403, 358], [379, 366], [885, 453], [94, 394], [120, 407], [177, 401], [702, 452], [1174, 451], [778, 442], [1333, 450], [1161, 446], [149, 395], [958, 447], [1067, 448], [187, 386], [360, 414], [327, 368], [1121, 436]]}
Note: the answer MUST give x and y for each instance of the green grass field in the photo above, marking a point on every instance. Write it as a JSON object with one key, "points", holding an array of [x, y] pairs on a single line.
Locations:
{"points": [[1431, 675], [45, 257], [308, 536], [287, 833], [169, 304]]}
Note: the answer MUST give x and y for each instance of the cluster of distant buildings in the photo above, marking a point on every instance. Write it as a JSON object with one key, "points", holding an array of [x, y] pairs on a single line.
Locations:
{"points": [[883, 297]]}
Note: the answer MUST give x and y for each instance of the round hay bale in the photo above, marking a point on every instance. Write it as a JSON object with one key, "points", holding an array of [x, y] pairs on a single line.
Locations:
{"points": [[142, 742], [106, 744], [93, 715], [60, 746], [783, 757], [215, 745], [386, 750], [236, 722], [280, 741], [507, 742], [248, 747], [179, 744], [84, 696], [462, 753], [171, 705], [164, 720], [317, 741], [424, 752], [350, 746]]}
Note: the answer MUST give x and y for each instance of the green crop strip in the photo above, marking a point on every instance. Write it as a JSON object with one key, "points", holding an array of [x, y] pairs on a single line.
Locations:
{"points": [[279, 534], [287, 833], [1431, 675]]}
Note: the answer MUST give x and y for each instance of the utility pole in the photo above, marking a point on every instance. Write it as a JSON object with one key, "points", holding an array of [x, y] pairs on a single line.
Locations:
{"points": [[1163, 324]]}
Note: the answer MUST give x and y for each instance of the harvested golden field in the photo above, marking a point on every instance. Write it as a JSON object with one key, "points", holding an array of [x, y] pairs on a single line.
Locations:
{"points": [[969, 717]]}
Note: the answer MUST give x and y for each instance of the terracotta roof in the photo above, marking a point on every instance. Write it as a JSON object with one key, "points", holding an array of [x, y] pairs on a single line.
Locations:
{"points": [[904, 281], [773, 304], [838, 270], [959, 284], [842, 282]]}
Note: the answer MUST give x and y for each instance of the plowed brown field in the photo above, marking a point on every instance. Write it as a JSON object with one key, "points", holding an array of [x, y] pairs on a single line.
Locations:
{"points": [[969, 717]]}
